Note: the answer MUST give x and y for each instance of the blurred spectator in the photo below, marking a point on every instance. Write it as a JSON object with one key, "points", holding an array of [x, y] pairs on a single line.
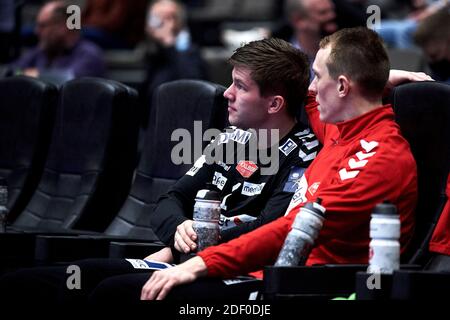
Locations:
{"points": [[114, 24], [170, 52], [60, 52], [433, 36], [309, 21], [399, 33]]}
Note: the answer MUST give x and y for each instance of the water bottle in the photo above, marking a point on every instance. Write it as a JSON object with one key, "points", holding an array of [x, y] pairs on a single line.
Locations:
{"points": [[3, 203], [300, 239], [384, 247], [206, 218]]}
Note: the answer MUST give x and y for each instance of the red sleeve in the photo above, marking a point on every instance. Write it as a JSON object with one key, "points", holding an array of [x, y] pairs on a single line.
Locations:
{"points": [[249, 252], [440, 241]]}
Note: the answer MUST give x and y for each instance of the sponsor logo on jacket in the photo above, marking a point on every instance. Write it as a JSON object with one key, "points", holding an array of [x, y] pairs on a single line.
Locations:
{"points": [[197, 165], [231, 222], [246, 168], [355, 165], [288, 146], [219, 180], [252, 189], [238, 135]]}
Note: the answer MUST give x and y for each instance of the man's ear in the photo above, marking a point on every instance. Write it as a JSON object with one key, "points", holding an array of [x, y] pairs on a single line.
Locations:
{"points": [[343, 86], [276, 104]]}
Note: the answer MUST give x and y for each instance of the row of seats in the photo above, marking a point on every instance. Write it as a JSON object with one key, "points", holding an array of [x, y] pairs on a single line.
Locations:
{"points": [[86, 133], [70, 155], [422, 111]]}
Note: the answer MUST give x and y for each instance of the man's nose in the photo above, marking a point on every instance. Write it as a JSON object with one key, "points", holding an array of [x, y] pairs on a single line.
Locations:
{"points": [[228, 93], [312, 86]]}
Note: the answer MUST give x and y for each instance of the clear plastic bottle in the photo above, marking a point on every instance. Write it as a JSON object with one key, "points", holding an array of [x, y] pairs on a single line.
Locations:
{"points": [[300, 239], [3, 204], [384, 247], [206, 218]]}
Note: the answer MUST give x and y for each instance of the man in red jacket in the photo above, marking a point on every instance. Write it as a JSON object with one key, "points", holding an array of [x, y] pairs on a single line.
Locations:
{"points": [[440, 241], [364, 161]]}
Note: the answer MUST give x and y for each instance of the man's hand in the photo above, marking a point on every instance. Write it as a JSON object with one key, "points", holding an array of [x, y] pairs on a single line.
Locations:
{"points": [[185, 237], [161, 282], [163, 255], [397, 77]]}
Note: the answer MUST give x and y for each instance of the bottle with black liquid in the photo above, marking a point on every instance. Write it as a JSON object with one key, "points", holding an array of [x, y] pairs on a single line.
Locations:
{"points": [[206, 218], [300, 239]]}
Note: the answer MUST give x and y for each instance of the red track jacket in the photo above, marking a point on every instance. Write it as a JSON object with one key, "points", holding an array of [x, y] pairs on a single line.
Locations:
{"points": [[440, 241], [364, 161]]}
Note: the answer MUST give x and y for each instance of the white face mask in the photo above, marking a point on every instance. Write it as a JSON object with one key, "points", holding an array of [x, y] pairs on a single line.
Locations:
{"points": [[154, 22]]}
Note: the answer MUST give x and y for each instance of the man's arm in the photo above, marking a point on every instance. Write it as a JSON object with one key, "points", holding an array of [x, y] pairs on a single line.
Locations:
{"points": [[161, 282], [176, 206], [397, 77]]}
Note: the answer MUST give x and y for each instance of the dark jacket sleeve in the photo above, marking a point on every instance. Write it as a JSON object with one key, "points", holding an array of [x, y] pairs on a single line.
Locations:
{"points": [[177, 204]]}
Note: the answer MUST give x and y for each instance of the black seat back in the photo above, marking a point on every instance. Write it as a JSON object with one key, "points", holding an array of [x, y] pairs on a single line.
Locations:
{"points": [[176, 105], [27, 112], [90, 163], [422, 110]]}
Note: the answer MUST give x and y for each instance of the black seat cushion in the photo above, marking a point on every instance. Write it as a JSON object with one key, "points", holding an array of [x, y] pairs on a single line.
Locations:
{"points": [[422, 110], [91, 157], [177, 105], [27, 112]]}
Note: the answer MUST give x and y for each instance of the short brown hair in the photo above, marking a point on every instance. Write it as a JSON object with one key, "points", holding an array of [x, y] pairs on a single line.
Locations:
{"points": [[359, 53], [277, 68]]}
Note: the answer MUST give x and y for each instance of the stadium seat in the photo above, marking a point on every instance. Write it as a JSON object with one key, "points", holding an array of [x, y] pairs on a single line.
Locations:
{"points": [[27, 111], [90, 162], [177, 105], [89, 166]]}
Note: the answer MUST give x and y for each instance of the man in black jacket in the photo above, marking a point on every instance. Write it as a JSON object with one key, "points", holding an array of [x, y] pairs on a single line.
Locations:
{"points": [[269, 81]]}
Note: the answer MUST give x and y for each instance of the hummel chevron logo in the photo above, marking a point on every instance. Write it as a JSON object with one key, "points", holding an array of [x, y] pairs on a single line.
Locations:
{"points": [[347, 174], [362, 156], [368, 146], [353, 164]]}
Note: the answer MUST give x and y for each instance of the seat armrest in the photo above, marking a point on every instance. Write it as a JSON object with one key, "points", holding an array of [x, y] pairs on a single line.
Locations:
{"points": [[315, 282], [370, 286], [58, 249], [136, 250], [420, 285]]}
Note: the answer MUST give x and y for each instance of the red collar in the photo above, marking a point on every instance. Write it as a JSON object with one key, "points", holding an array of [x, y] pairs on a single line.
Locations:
{"points": [[350, 129]]}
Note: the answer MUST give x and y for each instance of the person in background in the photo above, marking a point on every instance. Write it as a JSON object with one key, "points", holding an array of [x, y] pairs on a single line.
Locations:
{"points": [[398, 33], [433, 36], [170, 53], [310, 20], [60, 52], [114, 24]]}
